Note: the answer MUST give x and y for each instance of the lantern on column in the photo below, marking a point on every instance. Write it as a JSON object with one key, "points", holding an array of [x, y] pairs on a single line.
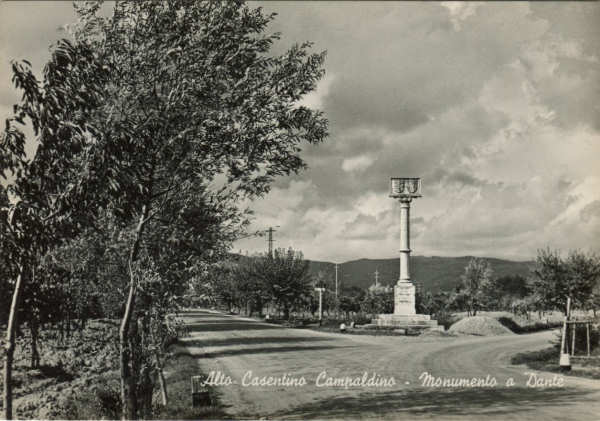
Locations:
{"points": [[405, 187]]}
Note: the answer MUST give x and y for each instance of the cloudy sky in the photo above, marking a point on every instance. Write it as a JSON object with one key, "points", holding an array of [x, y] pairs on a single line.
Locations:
{"points": [[496, 106]]}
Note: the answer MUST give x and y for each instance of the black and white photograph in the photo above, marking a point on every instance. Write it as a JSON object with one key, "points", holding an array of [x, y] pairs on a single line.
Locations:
{"points": [[300, 210]]}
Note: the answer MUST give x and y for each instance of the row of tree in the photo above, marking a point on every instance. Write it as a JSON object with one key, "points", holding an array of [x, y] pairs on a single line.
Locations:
{"points": [[282, 280], [152, 126], [552, 281], [281, 283]]}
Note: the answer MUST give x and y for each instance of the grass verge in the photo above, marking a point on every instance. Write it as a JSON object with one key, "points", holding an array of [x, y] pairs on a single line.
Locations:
{"points": [[547, 360], [103, 400], [181, 368]]}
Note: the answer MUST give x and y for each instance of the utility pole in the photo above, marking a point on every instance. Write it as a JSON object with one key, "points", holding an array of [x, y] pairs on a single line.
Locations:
{"points": [[336, 280], [376, 277], [320, 290], [270, 240]]}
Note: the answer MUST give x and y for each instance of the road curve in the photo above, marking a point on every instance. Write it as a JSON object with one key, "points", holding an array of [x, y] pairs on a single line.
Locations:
{"points": [[307, 363]]}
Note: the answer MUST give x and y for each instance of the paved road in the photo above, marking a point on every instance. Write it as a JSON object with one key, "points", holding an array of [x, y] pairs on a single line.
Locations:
{"points": [[236, 346]]}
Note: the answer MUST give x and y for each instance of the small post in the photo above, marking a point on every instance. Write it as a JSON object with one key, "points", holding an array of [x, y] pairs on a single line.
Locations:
{"points": [[587, 331], [336, 281], [573, 330], [564, 362], [320, 304], [200, 394]]}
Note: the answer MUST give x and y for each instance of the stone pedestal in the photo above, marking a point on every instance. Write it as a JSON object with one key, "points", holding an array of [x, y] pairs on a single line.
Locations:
{"points": [[404, 298], [415, 321]]}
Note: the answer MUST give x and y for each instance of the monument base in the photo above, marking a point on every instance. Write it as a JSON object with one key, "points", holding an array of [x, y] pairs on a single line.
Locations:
{"points": [[404, 298], [412, 321]]}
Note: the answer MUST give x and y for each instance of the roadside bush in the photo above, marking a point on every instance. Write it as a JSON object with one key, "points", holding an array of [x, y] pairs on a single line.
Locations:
{"points": [[444, 318], [362, 320], [108, 402], [581, 339], [103, 403]]}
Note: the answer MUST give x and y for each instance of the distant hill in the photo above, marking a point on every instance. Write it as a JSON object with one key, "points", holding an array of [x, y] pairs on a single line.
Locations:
{"points": [[433, 273]]}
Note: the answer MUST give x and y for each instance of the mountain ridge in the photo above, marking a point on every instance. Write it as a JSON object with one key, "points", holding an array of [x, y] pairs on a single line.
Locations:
{"points": [[432, 273]]}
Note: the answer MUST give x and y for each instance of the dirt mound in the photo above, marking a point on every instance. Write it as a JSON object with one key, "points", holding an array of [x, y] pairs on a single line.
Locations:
{"points": [[479, 325]]}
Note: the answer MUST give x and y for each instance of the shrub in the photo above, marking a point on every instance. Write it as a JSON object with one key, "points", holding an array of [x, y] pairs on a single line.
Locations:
{"points": [[581, 339], [108, 402]]}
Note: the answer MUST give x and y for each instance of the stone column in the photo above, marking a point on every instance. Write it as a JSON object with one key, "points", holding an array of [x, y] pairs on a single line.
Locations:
{"points": [[404, 291], [404, 241]]}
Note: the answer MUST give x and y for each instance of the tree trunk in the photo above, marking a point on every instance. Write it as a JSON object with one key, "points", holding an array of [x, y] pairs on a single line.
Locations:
{"points": [[35, 355], [134, 383], [68, 323], [10, 345], [147, 392], [161, 380], [127, 406]]}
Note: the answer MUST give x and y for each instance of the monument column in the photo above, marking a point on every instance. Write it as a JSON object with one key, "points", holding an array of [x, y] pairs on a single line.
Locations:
{"points": [[405, 189], [405, 313], [404, 240]]}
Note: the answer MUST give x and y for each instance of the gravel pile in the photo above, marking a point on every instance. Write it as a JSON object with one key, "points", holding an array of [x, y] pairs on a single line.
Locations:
{"points": [[479, 325]]}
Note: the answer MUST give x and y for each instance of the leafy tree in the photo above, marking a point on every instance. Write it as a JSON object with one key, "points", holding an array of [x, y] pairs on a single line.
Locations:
{"points": [[48, 191], [379, 299], [217, 284], [500, 292], [477, 276], [285, 278], [557, 279], [195, 98], [350, 300], [5, 266], [551, 279], [593, 302], [584, 276], [320, 280]]}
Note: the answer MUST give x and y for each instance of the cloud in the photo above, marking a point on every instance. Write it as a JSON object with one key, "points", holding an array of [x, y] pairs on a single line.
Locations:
{"points": [[474, 98], [590, 211], [460, 11], [493, 105], [358, 163], [315, 98]]}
